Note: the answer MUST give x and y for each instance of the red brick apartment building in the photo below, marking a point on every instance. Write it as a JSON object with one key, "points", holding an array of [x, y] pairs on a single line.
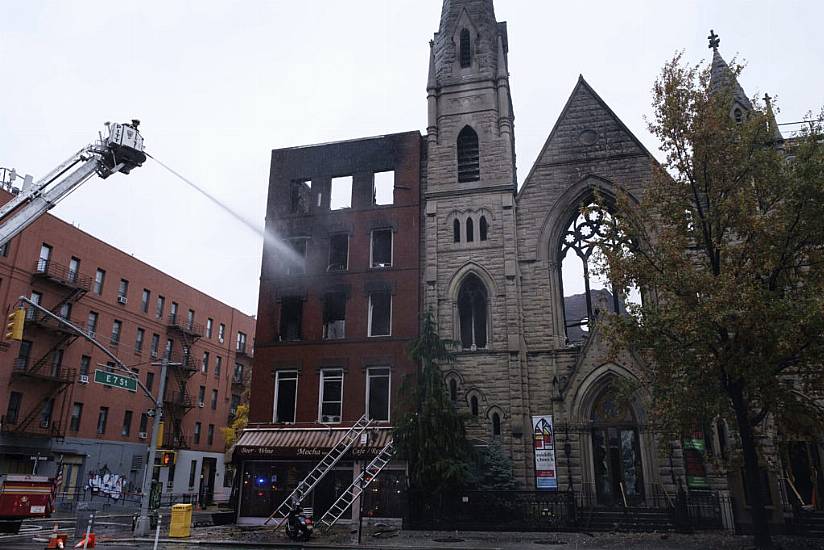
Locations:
{"points": [[53, 409], [335, 318]]}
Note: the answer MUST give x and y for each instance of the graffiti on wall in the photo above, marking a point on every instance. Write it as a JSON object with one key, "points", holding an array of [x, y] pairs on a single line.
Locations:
{"points": [[103, 482]]}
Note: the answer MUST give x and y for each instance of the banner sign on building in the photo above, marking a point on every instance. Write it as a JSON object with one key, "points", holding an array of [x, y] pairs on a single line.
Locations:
{"points": [[543, 444]]}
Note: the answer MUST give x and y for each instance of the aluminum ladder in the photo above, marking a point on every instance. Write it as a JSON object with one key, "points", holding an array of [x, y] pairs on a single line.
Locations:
{"points": [[358, 485], [318, 472]]}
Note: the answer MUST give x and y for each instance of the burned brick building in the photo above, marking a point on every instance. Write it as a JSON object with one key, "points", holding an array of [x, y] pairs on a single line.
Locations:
{"points": [[503, 266]]}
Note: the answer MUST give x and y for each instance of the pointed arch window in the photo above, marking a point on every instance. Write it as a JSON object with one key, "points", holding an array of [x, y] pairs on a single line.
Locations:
{"points": [[473, 405], [470, 230], [465, 47], [483, 228], [468, 156], [496, 424], [453, 390], [456, 231], [472, 313], [585, 292]]}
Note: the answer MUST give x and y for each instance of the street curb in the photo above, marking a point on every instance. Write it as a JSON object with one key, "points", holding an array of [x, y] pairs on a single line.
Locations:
{"points": [[293, 545]]}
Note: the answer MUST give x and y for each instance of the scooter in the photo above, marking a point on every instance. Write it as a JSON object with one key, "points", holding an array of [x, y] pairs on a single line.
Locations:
{"points": [[298, 526]]}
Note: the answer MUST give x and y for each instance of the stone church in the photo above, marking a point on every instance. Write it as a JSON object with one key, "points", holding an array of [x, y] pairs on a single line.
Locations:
{"points": [[506, 269]]}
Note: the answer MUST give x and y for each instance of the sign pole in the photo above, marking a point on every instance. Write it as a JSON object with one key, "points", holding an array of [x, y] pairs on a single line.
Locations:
{"points": [[143, 524]]}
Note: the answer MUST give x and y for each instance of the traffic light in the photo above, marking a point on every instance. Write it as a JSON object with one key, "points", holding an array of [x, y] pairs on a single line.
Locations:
{"points": [[14, 327], [168, 458]]}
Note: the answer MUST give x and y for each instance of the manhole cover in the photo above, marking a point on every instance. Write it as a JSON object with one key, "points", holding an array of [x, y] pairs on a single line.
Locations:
{"points": [[448, 539]]}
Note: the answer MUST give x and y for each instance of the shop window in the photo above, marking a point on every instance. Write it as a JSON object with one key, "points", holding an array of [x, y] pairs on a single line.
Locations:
{"points": [[381, 248], [472, 313], [468, 156], [338, 253], [286, 391], [300, 196], [380, 314], [334, 316], [331, 396], [377, 393], [341, 196], [291, 319], [383, 189]]}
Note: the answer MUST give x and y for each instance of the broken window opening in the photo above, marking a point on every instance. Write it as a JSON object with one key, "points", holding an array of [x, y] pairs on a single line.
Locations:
{"points": [[466, 52], [338, 253], [296, 265], [383, 188], [381, 248], [286, 391], [377, 394], [300, 196], [468, 156], [341, 193], [291, 319], [483, 228], [334, 316], [472, 313], [380, 314], [470, 230], [331, 396], [586, 291], [456, 231]]}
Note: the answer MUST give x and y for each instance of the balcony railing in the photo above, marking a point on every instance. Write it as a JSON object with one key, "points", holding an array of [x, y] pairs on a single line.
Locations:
{"points": [[41, 320], [61, 275], [37, 426], [176, 322]]}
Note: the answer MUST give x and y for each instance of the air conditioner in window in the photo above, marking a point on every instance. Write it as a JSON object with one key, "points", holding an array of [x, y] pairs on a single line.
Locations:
{"points": [[141, 435], [84, 378], [379, 264], [122, 300], [329, 419]]}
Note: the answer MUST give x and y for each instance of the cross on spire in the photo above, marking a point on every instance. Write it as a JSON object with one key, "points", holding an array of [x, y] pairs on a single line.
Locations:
{"points": [[767, 99], [714, 39]]}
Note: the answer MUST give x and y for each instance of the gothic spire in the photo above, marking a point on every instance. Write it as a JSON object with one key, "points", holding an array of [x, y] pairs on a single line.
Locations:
{"points": [[722, 77], [775, 133]]}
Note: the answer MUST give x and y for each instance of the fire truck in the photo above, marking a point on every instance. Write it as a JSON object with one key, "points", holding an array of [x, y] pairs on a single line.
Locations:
{"points": [[120, 150]]}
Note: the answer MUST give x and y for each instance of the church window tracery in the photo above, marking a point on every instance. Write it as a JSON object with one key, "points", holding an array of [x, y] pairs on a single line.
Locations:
{"points": [[472, 313], [468, 156]]}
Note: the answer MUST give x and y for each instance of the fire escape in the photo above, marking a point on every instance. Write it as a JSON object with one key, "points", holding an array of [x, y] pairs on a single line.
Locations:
{"points": [[47, 372], [177, 400]]}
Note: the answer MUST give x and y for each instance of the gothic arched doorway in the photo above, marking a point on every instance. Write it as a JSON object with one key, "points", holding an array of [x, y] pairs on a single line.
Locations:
{"points": [[616, 451]]}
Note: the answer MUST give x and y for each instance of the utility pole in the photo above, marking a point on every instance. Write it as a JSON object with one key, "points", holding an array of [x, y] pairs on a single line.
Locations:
{"points": [[143, 524]]}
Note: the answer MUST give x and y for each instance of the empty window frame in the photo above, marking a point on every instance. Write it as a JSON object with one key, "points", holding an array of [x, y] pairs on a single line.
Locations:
{"points": [[338, 252], [483, 228], [472, 313], [334, 316], [286, 392], [465, 49], [300, 196], [383, 188], [470, 230], [378, 386], [380, 314], [296, 263], [341, 193], [331, 396], [381, 248], [291, 319], [456, 231], [468, 156]]}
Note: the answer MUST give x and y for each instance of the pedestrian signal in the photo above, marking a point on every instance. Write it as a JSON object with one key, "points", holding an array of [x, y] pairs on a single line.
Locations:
{"points": [[14, 327]]}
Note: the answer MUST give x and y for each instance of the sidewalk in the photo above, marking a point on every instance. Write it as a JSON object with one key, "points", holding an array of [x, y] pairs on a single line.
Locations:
{"points": [[341, 538]]}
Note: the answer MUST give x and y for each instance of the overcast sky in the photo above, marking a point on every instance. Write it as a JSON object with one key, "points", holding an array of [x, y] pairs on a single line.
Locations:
{"points": [[217, 85]]}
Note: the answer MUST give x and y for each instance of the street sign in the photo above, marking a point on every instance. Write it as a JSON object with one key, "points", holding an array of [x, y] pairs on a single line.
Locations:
{"points": [[115, 380]]}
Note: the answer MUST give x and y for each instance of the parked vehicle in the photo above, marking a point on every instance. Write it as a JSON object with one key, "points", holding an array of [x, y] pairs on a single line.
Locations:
{"points": [[298, 525], [24, 496]]}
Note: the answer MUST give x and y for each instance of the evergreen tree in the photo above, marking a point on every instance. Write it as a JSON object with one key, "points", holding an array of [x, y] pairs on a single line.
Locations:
{"points": [[496, 469], [431, 435]]}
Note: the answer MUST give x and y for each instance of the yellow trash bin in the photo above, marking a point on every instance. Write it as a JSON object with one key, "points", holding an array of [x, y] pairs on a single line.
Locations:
{"points": [[180, 525]]}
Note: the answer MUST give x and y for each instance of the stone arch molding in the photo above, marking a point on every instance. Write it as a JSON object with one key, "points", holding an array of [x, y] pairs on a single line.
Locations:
{"points": [[463, 272], [590, 388], [475, 214]]}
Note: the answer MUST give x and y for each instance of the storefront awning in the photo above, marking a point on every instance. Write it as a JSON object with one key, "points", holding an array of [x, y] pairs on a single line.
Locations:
{"points": [[306, 443]]}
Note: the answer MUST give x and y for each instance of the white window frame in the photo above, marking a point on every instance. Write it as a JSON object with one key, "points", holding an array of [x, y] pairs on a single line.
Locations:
{"points": [[285, 375], [324, 375], [369, 319], [391, 248], [371, 373]]}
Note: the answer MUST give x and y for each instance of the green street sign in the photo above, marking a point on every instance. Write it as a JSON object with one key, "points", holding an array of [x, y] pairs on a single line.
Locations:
{"points": [[115, 380]]}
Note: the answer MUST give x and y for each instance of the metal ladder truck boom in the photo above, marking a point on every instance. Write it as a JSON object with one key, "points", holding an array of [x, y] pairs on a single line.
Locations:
{"points": [[120, 151]]}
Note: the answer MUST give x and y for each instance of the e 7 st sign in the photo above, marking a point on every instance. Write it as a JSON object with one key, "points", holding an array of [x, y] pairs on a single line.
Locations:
{"points": [[115, 380]]}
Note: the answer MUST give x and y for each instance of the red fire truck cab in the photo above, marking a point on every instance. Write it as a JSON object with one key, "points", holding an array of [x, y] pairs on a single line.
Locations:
{"points": [[24, 496]]}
